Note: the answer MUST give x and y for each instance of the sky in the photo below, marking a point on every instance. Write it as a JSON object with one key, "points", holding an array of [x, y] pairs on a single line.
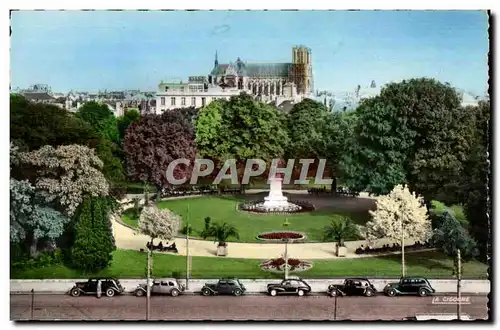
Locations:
{"points": [[97, 50]]}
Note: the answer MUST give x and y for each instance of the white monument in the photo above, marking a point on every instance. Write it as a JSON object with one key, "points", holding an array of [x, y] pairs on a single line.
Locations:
{"points": [[275, 198]]}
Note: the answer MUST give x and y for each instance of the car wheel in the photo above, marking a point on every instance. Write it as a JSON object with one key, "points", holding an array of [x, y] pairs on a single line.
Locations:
{"points": [[75, 292], [333, 293], [391, 293], [300, 293], [205, 292], [273, 293], [237, 292], [139, 293], [110, 292], [174, 292], [368, 293], [422, 292]]}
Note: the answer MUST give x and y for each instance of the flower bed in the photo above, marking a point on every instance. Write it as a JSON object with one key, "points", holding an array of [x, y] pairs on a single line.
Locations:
{"points": [[278, 265], [281, 235]]}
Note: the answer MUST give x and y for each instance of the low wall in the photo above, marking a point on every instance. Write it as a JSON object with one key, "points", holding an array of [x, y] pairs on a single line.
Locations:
{"points": [[253, 286]]}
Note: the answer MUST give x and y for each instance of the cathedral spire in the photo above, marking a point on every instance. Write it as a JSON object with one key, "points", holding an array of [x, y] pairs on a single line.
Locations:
{"points": [[216, 60]]}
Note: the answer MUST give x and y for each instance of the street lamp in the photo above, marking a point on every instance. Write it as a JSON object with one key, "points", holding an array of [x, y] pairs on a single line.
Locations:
{"points": [[286, 223], [286, 240], [188, 226]]}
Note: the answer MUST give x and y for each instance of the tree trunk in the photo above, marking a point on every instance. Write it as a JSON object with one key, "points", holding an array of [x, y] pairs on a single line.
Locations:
{"points": [[33, 247]]}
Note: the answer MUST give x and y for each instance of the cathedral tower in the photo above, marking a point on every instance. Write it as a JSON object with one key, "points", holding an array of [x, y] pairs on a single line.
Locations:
{"points": [[302, 69]]}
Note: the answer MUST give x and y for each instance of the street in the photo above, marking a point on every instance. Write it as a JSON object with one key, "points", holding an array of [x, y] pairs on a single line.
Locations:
{"points": [[258, 307]]}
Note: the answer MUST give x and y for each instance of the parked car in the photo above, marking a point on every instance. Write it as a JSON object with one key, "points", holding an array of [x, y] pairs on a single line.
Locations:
{"points": [[410, 286], [168, 286], [109, 286], [289, 286], [352, 287], [229, 286]]}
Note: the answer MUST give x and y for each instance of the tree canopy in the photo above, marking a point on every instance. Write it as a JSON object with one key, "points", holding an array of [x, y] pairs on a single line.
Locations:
{"points": [[35, 125], [129, 117], [101, 119], [478, 180], [94, 241], [413, 132], [400, 213], [154, 141], [66, 174], [241, 129], [156, 223]]}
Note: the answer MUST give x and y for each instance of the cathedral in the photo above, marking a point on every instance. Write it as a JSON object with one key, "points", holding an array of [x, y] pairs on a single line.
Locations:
{"points": [[267, 80], [281, 84]]}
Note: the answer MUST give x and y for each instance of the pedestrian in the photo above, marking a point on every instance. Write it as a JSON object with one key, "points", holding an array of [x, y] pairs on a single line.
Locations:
{"points": [[98, 288]]}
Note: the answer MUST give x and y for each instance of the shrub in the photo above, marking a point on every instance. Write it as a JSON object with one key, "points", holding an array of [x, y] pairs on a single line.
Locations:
{"points": [[186, 230], [44, 259], [207, 223], [94, 240]]}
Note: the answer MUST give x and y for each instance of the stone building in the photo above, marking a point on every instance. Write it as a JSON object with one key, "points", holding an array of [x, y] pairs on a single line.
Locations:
{"points": [[269, 82]]}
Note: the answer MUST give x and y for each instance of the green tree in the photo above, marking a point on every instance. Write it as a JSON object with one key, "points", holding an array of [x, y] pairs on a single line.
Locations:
{"points": [[102, 120], [316, 133], [128, 118], [451, 237], [94, 242], [105, 125], [241, 129], [111, 154], [208, 131], [478, 180], [414, 132], [375, 156], [305, 129], [37, 125]]}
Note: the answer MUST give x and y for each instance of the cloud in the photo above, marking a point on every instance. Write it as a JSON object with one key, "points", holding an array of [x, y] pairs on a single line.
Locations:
{"points": [[220, 29]]}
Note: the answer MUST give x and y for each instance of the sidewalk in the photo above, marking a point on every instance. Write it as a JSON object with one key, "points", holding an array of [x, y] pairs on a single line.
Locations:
{"points": [[449, 286]]}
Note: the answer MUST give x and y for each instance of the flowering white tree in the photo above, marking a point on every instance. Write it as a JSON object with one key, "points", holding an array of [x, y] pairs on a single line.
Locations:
{"points": [[399, 215], [156, 223], [67, 174], [29, 218]]}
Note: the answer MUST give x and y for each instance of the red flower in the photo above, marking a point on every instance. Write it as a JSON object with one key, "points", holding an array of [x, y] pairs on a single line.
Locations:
{"points": [[281, 235]]}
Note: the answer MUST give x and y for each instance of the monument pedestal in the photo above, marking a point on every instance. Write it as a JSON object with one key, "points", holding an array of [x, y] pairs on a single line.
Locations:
{"points": [[275, 198]]}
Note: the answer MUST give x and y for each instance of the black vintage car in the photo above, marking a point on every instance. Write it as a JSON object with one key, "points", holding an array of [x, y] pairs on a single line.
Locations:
{"points": [[409, 286], [289, 286], [109, 286], [352, 287], [225, 286]]}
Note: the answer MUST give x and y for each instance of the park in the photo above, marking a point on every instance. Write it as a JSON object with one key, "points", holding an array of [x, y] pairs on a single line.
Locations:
{"points": [[89, 194]]}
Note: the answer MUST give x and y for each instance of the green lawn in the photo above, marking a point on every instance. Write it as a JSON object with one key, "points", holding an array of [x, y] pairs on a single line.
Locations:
{"points": [[132, 264], [223, 209]]}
